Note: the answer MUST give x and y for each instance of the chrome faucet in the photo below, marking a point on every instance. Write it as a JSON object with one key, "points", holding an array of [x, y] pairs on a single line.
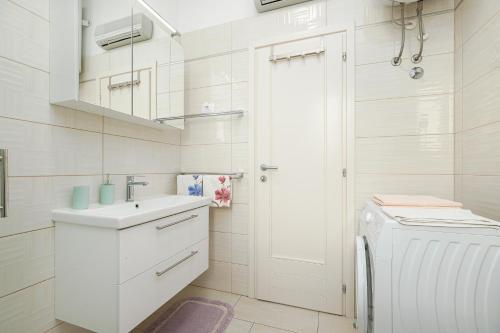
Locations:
{"points": [[130, 187]]}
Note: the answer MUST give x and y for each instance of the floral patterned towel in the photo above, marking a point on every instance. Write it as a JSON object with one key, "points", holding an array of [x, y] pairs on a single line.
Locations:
{"points": [[190, 185], [219, 189]]}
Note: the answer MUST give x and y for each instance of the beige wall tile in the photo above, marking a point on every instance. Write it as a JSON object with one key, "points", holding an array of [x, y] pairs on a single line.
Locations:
{"points": [[220, 246], [426, 154], [206, 158], [239, 279], [26, 259], [220, 220], [120, 128], [481, 147], [475, 15], [239, 249], [382, 80], [206, 42], [30, 310], [239, 65], [240, 217], [208, 72], [217, 277], [205, 131], [405, 116], [481, 54], [25, 36], [481, 195], [481, 101]]}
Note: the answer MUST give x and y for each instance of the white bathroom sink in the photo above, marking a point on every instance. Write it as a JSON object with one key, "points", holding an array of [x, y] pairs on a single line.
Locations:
{"points": [[127, 214]]}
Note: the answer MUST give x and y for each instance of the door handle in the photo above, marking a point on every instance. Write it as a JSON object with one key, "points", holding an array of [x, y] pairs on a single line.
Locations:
{"points": [[265, 167]]}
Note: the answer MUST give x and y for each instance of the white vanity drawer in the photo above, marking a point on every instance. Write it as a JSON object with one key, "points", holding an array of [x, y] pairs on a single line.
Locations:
{"points": [[145, 293], [145, 245]]}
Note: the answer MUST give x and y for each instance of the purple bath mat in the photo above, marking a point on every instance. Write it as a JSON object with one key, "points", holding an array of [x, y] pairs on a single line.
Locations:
{"points": [[194, 315]]}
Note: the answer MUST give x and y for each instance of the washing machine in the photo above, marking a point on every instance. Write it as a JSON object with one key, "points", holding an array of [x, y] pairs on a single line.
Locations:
{"points": [[414, 279]]}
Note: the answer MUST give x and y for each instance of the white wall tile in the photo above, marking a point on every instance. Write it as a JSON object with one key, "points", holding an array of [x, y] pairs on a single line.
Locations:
{"points": [[239, 279], [240, 190], [30, 310], [38, 7], [368, 185], [218, 276], [26, 259], [120, 128], [131, 156], [481, 54], [25, 36], [239, 66], [31, 200], [219, 96], [208, 72], [481, 147], [239, 159], [405, 116], [481, 101], [381, 42], [207, 131], [426, 154], [220, 219], [280, 22], [382, 80], [209, 41], [240, 216], [38, 150], [481, 195], [475, 15], [220, 246], [239, 249], [206, 158]]}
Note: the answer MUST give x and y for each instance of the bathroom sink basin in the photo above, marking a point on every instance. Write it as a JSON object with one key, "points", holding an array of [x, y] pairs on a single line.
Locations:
{"points": [[127, 214]]}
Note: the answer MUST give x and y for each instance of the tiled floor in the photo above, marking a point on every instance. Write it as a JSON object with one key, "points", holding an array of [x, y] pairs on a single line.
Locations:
{"points": [[252, 316]]}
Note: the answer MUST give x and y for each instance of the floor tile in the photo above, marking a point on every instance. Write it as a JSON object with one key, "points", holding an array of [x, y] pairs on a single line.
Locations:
{"points": [[68, 328], [257, 328], [335, 324], [239, 326], [277, 315]]}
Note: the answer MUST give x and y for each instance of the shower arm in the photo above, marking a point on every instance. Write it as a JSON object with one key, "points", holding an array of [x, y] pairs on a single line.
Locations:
{"points": [[417, 58], [396, 61]]}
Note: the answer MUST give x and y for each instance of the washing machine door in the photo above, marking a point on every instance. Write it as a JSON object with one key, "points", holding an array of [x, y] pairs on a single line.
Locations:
{"points": [[361, 285]]}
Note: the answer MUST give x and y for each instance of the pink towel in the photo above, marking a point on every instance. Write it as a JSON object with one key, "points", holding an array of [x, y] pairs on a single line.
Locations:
{"points": [[388, 200]]}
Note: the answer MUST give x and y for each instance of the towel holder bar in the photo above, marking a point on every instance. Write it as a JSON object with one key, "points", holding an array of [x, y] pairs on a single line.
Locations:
{"points": [[234, 175]]}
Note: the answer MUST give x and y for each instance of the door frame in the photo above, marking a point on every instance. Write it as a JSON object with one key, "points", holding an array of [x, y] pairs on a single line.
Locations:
{"points": [[348, 221]]}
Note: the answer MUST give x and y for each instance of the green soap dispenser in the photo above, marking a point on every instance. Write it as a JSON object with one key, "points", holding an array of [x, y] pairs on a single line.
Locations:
{"points": [[107, 193]]}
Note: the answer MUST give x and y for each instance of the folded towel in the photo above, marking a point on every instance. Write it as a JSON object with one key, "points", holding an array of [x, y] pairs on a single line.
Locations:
{"points": [[218, 188], [445, 217], [413, 201], [190, 185]]}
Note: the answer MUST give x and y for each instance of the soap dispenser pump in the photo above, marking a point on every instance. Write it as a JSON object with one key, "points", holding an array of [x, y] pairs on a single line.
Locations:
{"points": [[107, 192]]}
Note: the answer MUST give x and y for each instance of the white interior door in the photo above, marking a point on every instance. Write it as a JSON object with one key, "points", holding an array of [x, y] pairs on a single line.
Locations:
{"points": [[299, 205]]}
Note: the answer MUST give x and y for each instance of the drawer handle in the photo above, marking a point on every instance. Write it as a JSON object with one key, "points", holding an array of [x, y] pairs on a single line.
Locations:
{"points": [[193, 253], [161, 227]]}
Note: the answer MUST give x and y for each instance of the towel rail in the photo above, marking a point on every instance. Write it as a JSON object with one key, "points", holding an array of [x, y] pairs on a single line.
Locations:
{"points": [[234, 175], [201, 115]]}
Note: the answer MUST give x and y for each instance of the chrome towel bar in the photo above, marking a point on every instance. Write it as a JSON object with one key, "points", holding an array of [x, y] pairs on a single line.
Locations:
{"points": [[201, 115], [235, 175]]}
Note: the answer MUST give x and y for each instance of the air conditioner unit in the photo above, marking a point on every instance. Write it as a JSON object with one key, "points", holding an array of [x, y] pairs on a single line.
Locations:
{"points": [[118, 33], [266, 5]]}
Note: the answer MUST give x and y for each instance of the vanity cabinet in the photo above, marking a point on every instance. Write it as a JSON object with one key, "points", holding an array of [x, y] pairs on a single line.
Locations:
{"points": [[109, 279]]}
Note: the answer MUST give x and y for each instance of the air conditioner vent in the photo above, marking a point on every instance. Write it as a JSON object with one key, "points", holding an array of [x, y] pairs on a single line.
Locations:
{"points": [[266, 5], [118, 33]]}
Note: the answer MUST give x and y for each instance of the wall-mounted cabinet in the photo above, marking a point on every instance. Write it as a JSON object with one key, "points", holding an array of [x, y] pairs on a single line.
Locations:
{"points": [[115, 58]]}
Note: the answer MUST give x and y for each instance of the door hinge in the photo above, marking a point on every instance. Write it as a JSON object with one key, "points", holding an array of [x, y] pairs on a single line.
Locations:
{"points": [[344, 289], [344, 56], [344, 173]]}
